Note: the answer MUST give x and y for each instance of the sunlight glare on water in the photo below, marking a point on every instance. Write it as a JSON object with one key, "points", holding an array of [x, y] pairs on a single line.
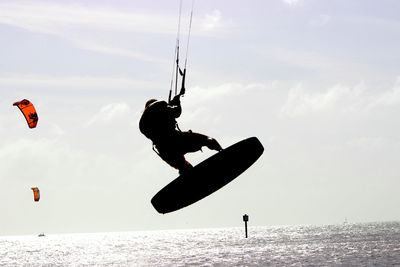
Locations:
{"points": [[350, 244]]}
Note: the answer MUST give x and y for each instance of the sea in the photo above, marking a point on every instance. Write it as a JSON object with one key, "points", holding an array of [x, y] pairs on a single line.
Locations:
{"points": [[366, 244]]}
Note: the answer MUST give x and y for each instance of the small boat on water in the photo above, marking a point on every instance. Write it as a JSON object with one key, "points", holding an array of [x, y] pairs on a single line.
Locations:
{"points": [[40, 235]]}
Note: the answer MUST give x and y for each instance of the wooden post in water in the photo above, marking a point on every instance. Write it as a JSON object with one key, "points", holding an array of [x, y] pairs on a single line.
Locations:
{"points": [[245, 219]]}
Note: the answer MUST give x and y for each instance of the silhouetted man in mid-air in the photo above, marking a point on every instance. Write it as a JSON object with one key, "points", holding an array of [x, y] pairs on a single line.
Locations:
{"points": [[158, 123]]}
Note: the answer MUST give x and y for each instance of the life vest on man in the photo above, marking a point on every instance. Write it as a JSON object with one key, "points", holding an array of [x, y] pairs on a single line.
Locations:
{"points": [[158, 120]]}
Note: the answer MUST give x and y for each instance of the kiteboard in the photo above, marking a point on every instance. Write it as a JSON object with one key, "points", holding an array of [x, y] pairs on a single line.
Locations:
{"points": [[208, 176]]}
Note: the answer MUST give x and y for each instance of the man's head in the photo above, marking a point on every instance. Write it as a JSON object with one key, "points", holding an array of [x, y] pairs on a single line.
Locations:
{"points": [[149, 102]]}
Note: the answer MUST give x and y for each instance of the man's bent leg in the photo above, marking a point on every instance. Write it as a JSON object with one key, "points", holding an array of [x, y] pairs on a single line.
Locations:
{"points": [[192, 142], [176, 161]]}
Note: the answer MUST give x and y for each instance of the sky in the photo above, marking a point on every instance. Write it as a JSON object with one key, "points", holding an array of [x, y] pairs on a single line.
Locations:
{"points": [[316, 81]]}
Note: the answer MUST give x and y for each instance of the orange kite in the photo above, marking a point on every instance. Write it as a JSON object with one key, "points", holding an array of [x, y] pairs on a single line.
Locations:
{"points": [[29, 112]]}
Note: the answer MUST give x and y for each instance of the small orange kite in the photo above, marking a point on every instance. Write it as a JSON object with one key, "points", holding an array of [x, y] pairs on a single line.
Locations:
{"points": [[36, 193], [29, 112]]}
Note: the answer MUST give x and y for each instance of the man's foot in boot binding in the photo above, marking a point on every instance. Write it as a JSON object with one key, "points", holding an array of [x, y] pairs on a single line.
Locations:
{"points": [[213, 144]]}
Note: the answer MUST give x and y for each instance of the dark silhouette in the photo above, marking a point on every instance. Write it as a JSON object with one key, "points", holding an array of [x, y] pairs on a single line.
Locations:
{"points": [[208, 176], [158, 123]]}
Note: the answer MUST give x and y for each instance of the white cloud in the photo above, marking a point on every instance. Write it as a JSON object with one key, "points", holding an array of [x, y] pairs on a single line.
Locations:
{"points": [[218, 92], [41, 159], [55, 82], [57, 18], [291, 2], [211, 21], [391, 97], [300, 102], [339, 98], [81, 25], [110, 112], [95, 28], [222, 106]]}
